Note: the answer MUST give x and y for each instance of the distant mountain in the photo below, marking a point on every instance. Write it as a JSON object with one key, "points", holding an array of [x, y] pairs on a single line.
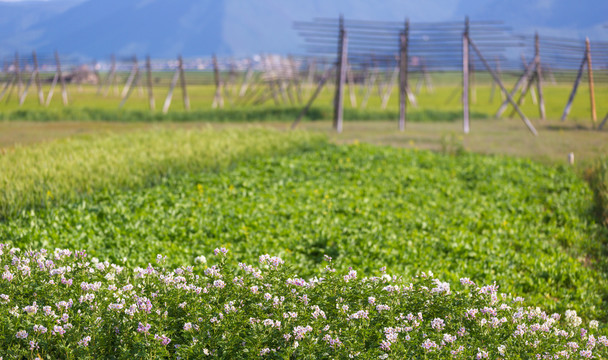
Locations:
{"points": [[165, 28], [18, 18]]}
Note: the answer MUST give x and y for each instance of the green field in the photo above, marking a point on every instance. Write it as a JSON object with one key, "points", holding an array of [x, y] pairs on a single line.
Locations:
{"points": [[125, 185], [488, 218], [442, 102]]}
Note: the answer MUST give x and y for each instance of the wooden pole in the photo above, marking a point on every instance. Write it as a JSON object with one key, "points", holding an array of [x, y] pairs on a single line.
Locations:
{"points": [[521, 114], [182, 78], [38, 83], [131, 78], [465, 77], [403, 62], [18, 72], [129, 90], [527, 73], [539, 78], [313, 97], [389, 87], [218, 100], [49, 96], [341, 75], [373, 75], [574, 88], [603, 122], [590, 78], [170, 93], [111, 75], [533, 69], [64, 91], [149, 82], [246, 79], [522, 96], [351, 86]]}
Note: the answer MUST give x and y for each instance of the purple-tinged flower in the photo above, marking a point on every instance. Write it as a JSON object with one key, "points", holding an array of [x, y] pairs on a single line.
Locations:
{"points": [[163, 339], [143, 328], [39, 329], [85, 341], [438, 324], [429, 345], [58, 330], [21, 334]]}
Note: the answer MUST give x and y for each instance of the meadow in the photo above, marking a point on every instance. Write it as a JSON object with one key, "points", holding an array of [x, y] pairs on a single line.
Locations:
{"points": [[159, 216]]}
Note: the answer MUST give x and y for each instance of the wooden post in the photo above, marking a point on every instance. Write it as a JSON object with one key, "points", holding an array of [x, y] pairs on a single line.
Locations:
{"points": [[341, 75], [27, 86], [111, 76], [574, 88], [371, 80], [246, 79], [591, 85], [530, 78], [49, 96], [38, 83], [388, 89], [18, 72], [131, 78], [603, 122], [129, 90], [9, 82], [465, 76], [182, 77], [351, 87], [313, 97], [527, 73], [539, 78], [149, 78], [521, 114], [170, 93], [403, 62], [218, 100], [522, 96], [64, 91]]}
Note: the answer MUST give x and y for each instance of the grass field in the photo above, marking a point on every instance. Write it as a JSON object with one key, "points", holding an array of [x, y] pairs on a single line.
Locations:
{"points": [[443, 102]]}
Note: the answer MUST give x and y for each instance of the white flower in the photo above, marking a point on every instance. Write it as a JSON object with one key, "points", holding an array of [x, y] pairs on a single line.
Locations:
{"points": [[593, 324], [200, 260]]}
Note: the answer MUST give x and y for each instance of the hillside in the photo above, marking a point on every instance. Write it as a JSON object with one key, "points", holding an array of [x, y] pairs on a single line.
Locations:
{"points": [[97, 28]]}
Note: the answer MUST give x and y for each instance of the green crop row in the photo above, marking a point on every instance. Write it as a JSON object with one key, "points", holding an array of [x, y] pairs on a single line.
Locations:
{"points": [[525, 225], [65, 170], [225, 115]]}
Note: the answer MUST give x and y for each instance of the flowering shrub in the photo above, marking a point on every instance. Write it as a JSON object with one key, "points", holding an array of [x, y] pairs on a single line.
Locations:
{"points": [[63, 304]]}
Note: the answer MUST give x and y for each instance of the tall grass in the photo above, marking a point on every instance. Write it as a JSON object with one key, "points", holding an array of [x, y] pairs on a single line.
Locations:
{"points": [[67, 169]]}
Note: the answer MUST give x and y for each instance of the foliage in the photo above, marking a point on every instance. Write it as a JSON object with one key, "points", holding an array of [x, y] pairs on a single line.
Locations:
{"points": [[67, 169], [63, 305], [525, 225]]}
